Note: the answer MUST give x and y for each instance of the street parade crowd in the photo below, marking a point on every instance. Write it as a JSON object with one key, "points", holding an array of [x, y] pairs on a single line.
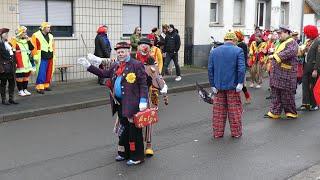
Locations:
{"points": [[136, 84]]}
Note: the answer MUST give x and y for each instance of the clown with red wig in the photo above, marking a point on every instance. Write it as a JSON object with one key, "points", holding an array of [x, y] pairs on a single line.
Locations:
{"points": [[311, 68]]}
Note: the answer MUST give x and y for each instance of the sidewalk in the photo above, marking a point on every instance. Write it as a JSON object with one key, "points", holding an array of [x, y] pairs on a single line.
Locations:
{"points": [[83, 94], [312, 173]]}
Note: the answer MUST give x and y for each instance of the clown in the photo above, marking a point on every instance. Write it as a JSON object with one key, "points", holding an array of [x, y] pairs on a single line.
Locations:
{"points": [[154, 82], [283, 76], [311, 68], [44, 56], [22, 48]]}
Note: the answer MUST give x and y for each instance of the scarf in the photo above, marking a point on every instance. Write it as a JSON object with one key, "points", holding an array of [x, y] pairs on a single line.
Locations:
{"points": [[120, 68]]}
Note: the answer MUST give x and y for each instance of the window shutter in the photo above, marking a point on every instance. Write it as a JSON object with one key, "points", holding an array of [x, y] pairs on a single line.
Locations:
{"points": [[32, 12], [60, 13], [237, 12], [150, 18], [130, 18]]}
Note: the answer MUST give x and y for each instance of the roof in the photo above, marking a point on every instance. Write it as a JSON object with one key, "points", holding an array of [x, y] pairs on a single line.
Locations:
{"points": [[315, 5]]}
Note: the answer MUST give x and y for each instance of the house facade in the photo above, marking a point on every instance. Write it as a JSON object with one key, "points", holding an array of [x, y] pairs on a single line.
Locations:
{"points": [[312, 12], [72, 19], [214, 18]]}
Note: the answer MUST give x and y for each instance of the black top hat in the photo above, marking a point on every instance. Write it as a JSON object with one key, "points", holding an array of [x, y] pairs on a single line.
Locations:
{"points": [[145, 41], [122, 45]]}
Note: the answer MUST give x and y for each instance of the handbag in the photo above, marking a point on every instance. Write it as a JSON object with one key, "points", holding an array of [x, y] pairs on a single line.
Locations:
{"points": [[7, 67], [146, 117]]}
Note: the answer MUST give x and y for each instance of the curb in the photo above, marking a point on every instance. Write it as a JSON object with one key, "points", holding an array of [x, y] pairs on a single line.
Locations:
{"points": [[82, 105]]}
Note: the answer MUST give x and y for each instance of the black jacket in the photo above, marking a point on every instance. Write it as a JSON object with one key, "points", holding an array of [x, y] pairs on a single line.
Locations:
{"points": [[313, 57], [101, 49], [172, 42], [5, 58], [244, 47]]}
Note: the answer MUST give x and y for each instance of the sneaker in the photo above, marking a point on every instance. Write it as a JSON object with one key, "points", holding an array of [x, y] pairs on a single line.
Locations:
{"points": [[303, 108], [132, 162], [251, 85], [178, 78], [258, 86], [27, 92], [314, 108], [22, 93], [120, 158]]}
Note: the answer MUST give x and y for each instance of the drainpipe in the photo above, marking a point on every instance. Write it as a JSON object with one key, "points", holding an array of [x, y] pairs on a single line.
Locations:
{"points": [[302, 16]]}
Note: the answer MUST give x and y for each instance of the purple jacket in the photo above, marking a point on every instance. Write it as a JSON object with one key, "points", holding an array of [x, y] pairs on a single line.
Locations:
{"points": [[131, 91], [284, 74]]}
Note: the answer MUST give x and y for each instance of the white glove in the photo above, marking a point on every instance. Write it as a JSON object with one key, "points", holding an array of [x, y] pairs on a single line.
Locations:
{"points": [[96, 61], [239, 87], [214, 90], [142, 106], [84, 62], [164, 90]]}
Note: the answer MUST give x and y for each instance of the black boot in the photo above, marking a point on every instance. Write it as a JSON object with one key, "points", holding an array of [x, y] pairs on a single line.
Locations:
{"points": [[11, 101], [4, 102]]}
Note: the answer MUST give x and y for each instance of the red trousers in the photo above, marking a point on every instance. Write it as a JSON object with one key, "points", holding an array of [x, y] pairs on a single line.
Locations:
{"points": [[227, 104]]}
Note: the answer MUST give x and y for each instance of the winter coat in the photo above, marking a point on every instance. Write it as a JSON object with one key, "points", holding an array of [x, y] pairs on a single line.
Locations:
{"points": [[172, 42], [102, 46], [6, 59]]}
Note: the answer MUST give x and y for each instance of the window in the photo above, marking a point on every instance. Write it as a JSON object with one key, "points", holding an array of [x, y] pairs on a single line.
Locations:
{"points": [[284, 17], [238, 12], [57, 12], [261, 14], [146, 17], [216, 11]]}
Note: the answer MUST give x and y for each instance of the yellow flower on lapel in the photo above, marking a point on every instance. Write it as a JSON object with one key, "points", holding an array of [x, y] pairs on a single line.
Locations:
{"points": [[131, 77]]}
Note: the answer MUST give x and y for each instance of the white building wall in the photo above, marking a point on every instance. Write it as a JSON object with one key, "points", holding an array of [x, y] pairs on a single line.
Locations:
{"points": [[87, 16], [203, 29]]}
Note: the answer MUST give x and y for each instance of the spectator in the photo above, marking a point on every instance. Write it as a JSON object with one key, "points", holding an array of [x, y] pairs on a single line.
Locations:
{"points": [[171, 48], [7, 68], [134, 39], [102, 48]]}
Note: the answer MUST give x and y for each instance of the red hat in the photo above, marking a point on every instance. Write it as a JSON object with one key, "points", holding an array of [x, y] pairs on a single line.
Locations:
{"points": [[311, 31], [4, 30], [152, 37], [102, 29], [122, 45]]}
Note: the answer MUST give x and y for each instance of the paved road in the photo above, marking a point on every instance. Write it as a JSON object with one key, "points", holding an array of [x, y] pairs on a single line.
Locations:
{"points": [[79, 145]]}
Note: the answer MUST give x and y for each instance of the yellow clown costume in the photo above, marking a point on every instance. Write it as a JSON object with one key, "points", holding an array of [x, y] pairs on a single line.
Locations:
{"points": [[44, 56], [22, 48]]}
